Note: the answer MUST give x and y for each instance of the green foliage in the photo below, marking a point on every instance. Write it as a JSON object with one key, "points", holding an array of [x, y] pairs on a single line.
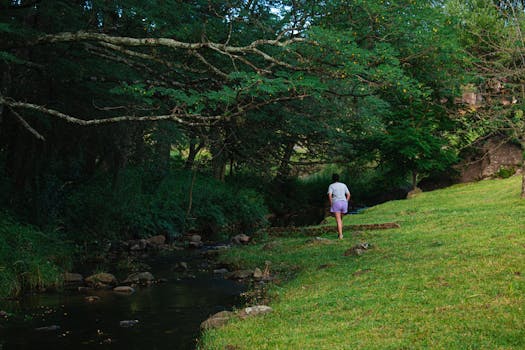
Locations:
{"points": [[30, 259], [505, 172], [141, 204]]}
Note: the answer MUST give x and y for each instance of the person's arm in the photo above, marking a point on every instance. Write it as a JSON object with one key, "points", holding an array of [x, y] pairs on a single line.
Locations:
{"points": [[330, 197], [348, 195]]}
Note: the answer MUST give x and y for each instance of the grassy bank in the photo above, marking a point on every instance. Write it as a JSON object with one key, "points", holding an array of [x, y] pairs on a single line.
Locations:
{"points": [[30, 259], [452, 277]]}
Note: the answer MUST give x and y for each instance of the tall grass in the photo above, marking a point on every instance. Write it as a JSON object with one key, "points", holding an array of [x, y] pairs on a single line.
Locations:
{"points": [[29, 258], [452, 277]]}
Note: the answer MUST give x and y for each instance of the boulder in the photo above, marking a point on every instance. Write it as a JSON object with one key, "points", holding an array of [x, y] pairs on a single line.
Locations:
{"points": [[140, 277], [240, 239], [101, 280], [158, 240], [195, 241], [195, 238], [217, 320], [72, 278]]}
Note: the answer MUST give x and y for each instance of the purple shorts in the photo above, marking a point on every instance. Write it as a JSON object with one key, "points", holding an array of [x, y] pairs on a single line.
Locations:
{"points": [[339, 207]]}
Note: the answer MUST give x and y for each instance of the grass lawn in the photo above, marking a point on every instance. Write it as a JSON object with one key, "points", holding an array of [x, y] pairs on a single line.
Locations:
{"points": [[452, 277]]}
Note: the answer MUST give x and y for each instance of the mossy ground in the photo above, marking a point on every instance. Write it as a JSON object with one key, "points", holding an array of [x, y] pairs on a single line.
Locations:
{"points": [[452, 277]]}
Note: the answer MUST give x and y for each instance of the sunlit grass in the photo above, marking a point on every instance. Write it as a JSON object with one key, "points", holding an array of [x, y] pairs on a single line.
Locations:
{"points": [[452, 277]]}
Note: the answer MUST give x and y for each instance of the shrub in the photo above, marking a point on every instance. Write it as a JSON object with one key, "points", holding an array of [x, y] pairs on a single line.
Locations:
{"points": [[141, 204], [505, 172]]}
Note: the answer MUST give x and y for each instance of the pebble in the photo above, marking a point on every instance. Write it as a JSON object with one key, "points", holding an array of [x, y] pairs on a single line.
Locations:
{"points": [[128, 323]]}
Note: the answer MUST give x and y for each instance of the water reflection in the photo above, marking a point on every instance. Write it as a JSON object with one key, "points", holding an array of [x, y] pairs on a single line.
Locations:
{"points": [[168, 314]]}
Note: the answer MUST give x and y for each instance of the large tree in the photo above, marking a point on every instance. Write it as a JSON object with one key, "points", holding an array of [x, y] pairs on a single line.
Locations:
{"points": [[493, 36]]}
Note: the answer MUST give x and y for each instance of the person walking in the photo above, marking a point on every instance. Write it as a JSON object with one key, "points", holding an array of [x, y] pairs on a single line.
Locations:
{"points": [[339, 195]]}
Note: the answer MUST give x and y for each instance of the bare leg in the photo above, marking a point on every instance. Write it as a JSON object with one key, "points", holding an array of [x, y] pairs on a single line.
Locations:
{"points": [[339, 220]]}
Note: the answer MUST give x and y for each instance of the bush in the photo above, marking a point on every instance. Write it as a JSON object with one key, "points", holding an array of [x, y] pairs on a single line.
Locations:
{"points": [[505, 172], [140, 204]]}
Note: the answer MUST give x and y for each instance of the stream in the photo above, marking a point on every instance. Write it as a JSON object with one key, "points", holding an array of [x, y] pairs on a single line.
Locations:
{"points": [[162, 316]]}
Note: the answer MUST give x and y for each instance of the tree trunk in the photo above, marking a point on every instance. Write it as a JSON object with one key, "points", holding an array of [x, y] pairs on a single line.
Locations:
{"points": [[162, 149], [194, 149], [219, 166], [218, 153], [523, 181], [284, 167], [523, 172], [522, 195], [414, 179]]}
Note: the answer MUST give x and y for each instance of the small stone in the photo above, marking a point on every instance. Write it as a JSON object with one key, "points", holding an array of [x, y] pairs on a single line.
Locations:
{"points": [[139, 277], [255, 311], [181, 266], [141, 244], [220, 271], [240, 239], [48, 328], [257, 273], [124, 290], [128, 323], [358, 249], [92, 298], [195, 238]]}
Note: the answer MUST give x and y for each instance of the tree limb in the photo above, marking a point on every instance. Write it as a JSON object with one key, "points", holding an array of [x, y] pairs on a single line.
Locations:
{"points": [[26, 125]]}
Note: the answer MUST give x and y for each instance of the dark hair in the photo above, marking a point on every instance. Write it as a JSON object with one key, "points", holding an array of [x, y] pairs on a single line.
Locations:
{"points": [[335, 177]]}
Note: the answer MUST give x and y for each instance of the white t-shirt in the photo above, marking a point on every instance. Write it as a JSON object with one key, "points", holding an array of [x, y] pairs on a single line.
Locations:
{"points": [[338, 191]]}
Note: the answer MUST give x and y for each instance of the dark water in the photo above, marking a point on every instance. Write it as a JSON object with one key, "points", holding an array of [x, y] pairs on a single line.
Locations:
{"points": [[169, 314]]}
